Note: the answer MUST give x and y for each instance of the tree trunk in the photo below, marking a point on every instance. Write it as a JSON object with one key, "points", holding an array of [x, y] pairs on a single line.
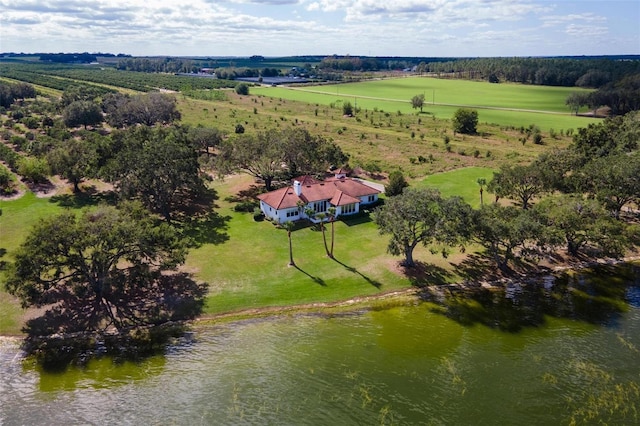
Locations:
{"points": [[324, 238], [332, 237], [408, 256], [267, 183], [291, 262]]}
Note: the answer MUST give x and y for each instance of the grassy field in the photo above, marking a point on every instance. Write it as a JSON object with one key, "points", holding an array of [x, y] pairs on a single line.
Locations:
{"points": [[503, 104], [374, 139]]}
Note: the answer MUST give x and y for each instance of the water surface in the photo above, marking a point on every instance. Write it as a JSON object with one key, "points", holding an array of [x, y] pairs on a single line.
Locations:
{"points": [[405, 365]]}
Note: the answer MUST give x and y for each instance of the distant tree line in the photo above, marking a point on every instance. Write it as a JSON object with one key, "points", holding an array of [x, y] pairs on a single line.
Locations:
{"points": [[177, 65], [621, 97], [72, 58], [591, 73]]}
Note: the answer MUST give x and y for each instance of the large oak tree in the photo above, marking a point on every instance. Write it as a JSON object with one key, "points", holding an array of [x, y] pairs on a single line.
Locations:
{"points": [[158, 166], [422, 216], [105, 269]]}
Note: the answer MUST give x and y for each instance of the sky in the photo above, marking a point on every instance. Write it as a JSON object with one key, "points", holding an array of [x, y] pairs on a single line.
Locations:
{"points": [[423, 28]]}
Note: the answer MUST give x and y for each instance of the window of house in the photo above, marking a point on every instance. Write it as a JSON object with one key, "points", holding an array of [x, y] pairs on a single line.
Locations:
{"points": [[292, 213], [372, 198], [348, 208], [320, 206]]}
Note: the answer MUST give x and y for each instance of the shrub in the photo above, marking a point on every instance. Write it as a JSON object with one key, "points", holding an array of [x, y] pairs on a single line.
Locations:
{"points": [[396, 185], [258, 216], [242, 89], [7, 181], [465, 121], [347, 109], [245, 206], [30, 122], [9, 156], [537, 138], [35, 170]]}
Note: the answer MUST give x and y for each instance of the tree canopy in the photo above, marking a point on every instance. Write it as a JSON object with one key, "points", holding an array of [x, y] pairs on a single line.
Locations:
{"points": [[148, 109], [106, 268], [156, 165], [417, 101], [82, 113], [422, 216], [502, 229], [74, 160], [397, 183], [522, 183], [278, 154]]}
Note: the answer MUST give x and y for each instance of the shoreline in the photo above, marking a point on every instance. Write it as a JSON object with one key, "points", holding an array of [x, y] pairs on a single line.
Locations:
{"points": [[382, 300]]}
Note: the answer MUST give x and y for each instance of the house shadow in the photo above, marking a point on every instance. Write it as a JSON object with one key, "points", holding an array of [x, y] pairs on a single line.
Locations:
{"points": [[356, 219], [351, 269]]}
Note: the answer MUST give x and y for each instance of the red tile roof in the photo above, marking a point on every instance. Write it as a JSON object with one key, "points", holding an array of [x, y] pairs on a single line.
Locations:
{"points": [[283, 198], [341, 199], [339, 192]]}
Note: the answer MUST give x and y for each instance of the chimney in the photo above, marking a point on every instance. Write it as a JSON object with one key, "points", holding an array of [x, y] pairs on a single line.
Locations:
{"points": [[297, 187]]}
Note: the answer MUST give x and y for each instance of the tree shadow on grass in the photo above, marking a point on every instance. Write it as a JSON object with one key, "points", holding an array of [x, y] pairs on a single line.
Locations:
{"points": [[425, 274], [476, 267], [373, 282], [86, 198], [198, 221], [206, 229], [317, 280]]}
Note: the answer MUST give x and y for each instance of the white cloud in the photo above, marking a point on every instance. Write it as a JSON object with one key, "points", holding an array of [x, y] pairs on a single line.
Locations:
{"points": [[575, 30], [282, 27]]}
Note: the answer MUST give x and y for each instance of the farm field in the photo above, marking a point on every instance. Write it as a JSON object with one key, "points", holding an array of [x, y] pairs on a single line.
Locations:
{"points": [[503, 104]]}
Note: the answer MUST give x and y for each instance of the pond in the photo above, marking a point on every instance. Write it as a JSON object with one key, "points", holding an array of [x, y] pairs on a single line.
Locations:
{"points": [[433, 363]]}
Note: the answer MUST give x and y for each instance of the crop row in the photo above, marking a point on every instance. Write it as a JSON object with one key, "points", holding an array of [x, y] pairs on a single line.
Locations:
{"points": [[39, 78], [60, 78]]}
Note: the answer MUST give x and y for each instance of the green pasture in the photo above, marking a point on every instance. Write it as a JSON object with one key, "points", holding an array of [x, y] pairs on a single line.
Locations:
{"points": [[246, 262], [504, 104]]}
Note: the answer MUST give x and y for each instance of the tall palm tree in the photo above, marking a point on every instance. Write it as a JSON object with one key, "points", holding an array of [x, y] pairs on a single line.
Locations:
{"points": [[322, 217], [482, 182], [289, 226], [332, 219]]}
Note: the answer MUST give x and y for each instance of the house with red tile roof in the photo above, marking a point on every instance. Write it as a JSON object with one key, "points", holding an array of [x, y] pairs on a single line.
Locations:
{"points": [[346, 195]]}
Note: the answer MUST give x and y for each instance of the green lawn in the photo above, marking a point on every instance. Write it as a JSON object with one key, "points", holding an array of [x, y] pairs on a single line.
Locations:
{"points": [[504, 104], [248, 268], [461, 182]]}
